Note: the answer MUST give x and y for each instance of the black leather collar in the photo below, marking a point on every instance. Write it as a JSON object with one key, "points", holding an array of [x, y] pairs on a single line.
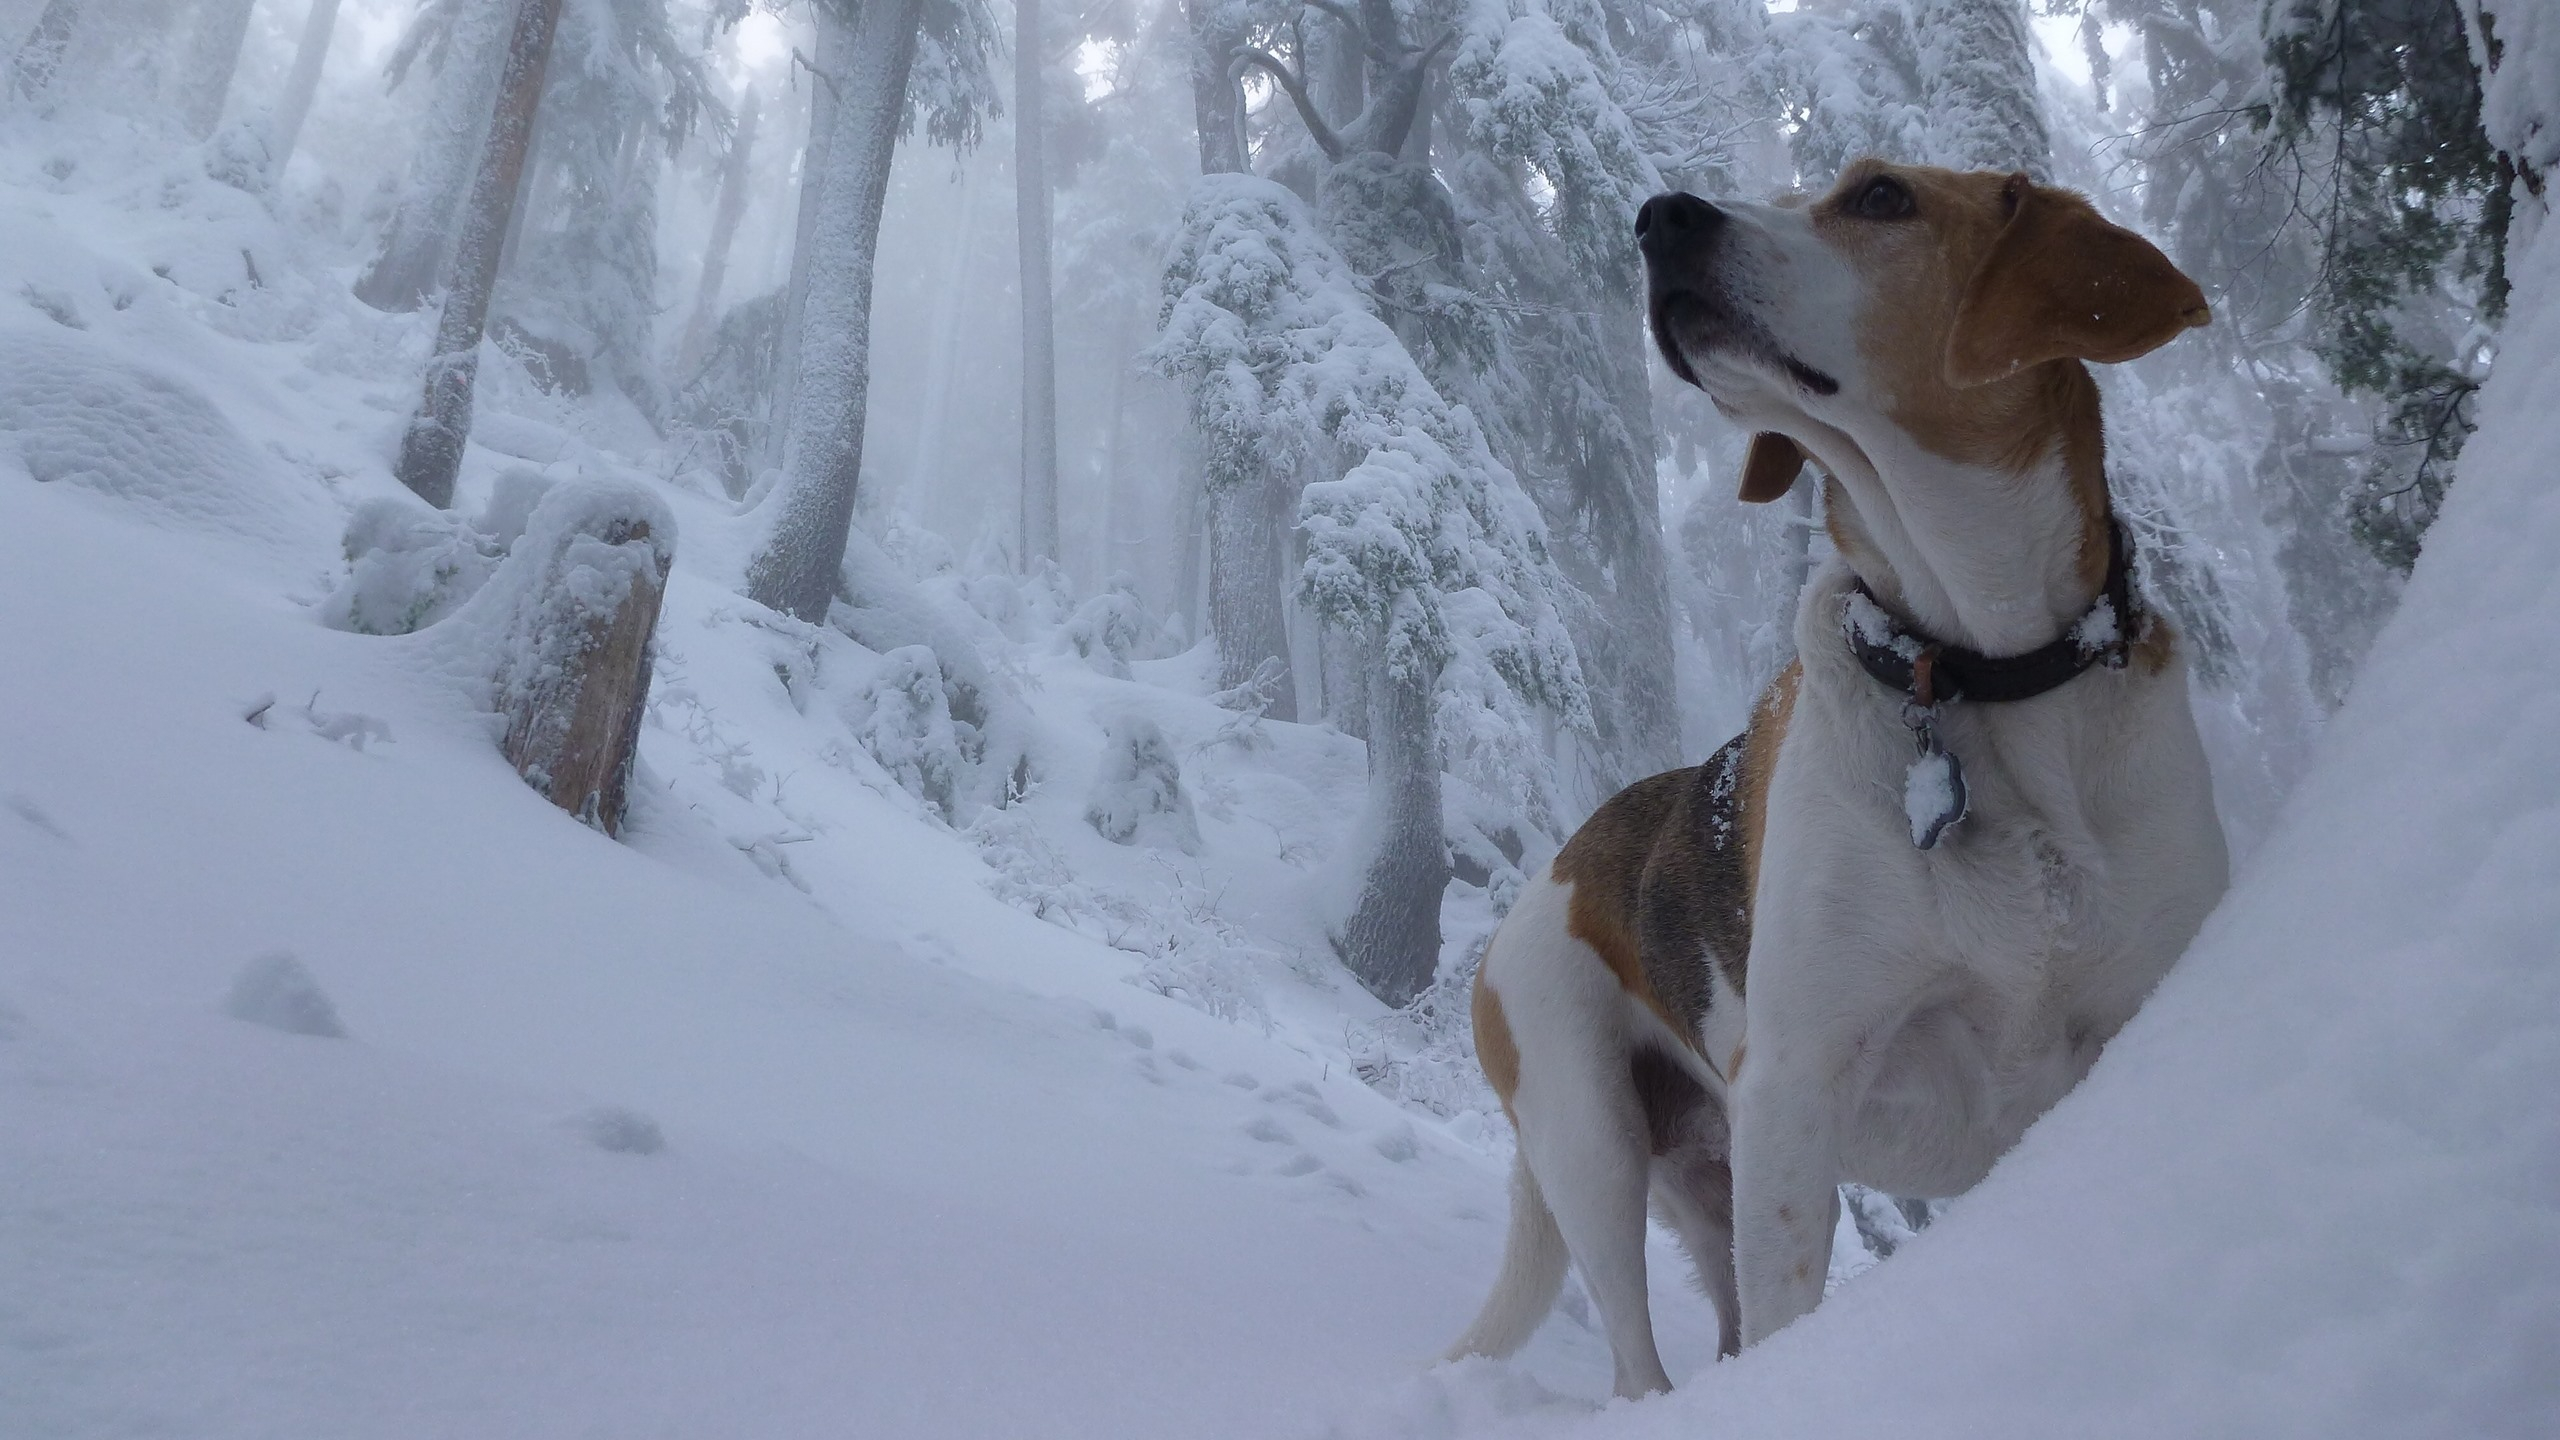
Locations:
{"points": [[1931, 672]]}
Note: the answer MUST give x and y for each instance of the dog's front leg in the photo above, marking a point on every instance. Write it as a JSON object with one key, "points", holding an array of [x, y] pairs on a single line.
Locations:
{"points": [[1787, 1121]]}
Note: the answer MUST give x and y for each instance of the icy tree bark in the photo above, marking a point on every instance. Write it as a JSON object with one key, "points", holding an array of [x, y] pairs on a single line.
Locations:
{"points": [[1247, 520], [1392, 939], [1978, 80], [826, 67], [725, 215], [1217, 104], [213, 57], [795, 571], [572, 678], [431, 451], [39, 56], [294, 106], [441, 168], [1039, 325]]}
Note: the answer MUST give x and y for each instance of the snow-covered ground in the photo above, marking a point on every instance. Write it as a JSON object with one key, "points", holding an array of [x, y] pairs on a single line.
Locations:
{"points": [[790, 1116], [786, 1117]]}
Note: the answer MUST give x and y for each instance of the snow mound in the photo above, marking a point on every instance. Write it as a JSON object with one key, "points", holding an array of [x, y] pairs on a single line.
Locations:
{"points": [[1138, 797], [75, 413], [275, 991]]}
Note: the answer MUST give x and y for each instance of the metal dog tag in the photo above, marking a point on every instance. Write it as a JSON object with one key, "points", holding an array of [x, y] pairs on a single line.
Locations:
{"points": [[1933, 793]]}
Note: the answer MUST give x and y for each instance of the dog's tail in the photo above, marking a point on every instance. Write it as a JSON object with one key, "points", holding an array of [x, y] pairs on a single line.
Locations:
{"points": [[1533, 1261]]}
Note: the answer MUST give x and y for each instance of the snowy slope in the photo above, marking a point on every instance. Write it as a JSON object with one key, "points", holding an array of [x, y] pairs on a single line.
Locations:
{"points": [[2314, 1188], [775, 1121]]}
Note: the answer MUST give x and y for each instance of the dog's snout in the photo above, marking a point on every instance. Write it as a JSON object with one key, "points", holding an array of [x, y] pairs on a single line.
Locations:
{"points": [[1675, 218]]}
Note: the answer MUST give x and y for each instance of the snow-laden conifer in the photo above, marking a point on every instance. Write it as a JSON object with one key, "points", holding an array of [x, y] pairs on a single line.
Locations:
{"points": [[877, 94], [1424, 553]]}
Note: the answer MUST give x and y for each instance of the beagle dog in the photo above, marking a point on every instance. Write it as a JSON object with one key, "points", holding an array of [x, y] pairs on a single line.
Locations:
{"points": [[1966, 832]]}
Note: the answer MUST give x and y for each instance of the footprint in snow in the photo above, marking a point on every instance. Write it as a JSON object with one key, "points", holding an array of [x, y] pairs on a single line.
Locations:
{"points": [[1398, 1143], [620, 1131], [275, 991], [1306, 1100]]}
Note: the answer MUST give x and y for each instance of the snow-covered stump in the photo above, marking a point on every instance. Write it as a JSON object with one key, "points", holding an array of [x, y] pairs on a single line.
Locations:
{"points": [[1138, 797], [570, 615]]}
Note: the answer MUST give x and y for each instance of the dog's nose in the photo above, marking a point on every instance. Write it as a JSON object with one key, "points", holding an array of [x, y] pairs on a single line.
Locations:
{"points": [[1672, 218]]}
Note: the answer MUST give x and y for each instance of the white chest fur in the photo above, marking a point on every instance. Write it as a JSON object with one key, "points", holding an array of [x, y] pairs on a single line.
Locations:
{"points": [[1944, 999]]}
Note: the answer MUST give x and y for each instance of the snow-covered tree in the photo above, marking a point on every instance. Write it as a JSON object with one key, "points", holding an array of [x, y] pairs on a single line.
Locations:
{"points": [[1978, 81], [38, 57], [2377, 104], [214, 39], [1547, 170], [431, 449], [727, 210], [1424, 551], [302, 83], [581, 280], [1031, 203], [905, 64], [462, 46]]}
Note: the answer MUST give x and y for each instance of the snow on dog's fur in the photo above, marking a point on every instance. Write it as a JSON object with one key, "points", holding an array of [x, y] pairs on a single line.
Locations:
{"points": [[1743, 984]]}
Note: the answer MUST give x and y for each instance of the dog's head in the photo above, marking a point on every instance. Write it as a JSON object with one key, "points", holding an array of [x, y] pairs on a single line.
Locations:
{"points": [[1919, 299]]}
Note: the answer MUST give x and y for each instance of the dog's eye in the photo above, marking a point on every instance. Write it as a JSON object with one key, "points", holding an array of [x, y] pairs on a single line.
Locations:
{"points": [[1883, 198]]}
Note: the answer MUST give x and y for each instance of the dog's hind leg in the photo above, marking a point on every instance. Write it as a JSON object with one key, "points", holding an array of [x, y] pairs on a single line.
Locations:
{"points": [[1583, 1135], [1533, 1261], [1693, 1193]]}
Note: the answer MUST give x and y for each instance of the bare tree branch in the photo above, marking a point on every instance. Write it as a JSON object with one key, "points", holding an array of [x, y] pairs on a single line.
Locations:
{"points": [[1330, 143]]}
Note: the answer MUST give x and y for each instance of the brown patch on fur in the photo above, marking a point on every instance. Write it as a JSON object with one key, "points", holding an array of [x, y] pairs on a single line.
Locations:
{"points": [[1760, 745], [1496, 1051], [1733, 1075], [1604, 865], [2061, 283], [2158, 645], [1985, 300], [1661, 876]]}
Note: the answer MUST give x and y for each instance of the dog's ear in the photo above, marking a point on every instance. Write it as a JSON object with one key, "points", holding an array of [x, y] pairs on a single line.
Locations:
{"points": [[2062, 283], [1769, 471]]}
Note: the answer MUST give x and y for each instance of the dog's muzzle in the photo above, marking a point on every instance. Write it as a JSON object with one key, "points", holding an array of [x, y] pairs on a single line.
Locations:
{"points": [[1689, 302]]}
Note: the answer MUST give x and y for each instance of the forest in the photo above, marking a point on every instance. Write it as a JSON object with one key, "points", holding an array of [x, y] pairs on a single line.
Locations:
{"points": [[1059, 564]]}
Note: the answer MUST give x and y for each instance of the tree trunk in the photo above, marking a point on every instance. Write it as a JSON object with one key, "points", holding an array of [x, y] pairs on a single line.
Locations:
{"points": [[1039, 326], [826, 69], [39, 56], [294, 106], [1217, 104], [1978, 83], [440, 171], [1391, 942], [1246, 524], [213, 57], [1191, 581], [528, 185], [797, 568], [572, 678], [725, 215], [943, 362], [431, 451], [1630, 646]]}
